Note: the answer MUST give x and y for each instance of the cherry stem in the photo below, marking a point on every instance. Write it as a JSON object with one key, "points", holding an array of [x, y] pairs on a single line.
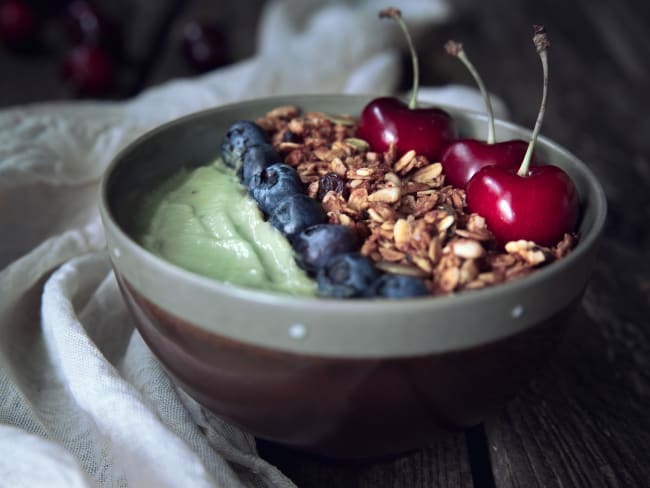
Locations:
{"points": [[540, 39], [396, 14], [456, 49]]}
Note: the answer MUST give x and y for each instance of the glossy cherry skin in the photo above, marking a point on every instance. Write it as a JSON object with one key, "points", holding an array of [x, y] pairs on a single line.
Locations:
{"points": [[19, 24], [386, 120], [89, 70], [463, 158], [540, 207]]}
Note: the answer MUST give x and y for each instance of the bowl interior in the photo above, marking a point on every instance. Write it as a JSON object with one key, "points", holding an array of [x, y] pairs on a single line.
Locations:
{"points": [[361, 327]]}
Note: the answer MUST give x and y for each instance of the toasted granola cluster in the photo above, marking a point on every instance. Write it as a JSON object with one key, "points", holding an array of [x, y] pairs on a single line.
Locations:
{"points": [[408, 220]]}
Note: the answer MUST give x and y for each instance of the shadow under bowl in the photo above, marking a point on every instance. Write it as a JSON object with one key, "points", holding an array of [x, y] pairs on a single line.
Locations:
{"points": [[342, 378]]}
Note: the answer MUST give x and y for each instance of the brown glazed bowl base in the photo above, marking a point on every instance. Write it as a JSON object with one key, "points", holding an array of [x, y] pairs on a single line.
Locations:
{"points": [[366, 407]]}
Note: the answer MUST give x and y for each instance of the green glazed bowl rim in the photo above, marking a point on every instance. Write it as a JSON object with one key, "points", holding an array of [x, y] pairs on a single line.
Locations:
{"points": [[584, 251]]}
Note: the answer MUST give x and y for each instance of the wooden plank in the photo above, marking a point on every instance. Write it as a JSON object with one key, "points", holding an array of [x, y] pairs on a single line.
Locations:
{"points": [[444, 464], [585, 421], [583, 424]]}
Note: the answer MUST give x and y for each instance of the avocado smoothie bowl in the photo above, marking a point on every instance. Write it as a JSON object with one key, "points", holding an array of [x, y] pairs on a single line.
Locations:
{"points": [[328, 294]]}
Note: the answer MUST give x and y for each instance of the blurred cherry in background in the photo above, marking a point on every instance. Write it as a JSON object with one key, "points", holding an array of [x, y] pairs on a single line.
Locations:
{"points": [[20, 26], [204, 45], [113, 49]]}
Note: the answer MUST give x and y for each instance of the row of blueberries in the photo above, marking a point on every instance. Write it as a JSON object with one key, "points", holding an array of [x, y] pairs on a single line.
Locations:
{"points": [[328, 252]]}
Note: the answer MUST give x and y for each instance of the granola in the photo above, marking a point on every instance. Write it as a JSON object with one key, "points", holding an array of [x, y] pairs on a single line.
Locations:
{"points": [[408, 219]]}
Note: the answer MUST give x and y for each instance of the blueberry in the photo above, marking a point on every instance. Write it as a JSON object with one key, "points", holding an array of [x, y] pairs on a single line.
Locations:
{"points": [[330, 182], [346, 275], [295, 213], [240, 136], [273, 184], [255, 160], [317, 244], [397, 286]]}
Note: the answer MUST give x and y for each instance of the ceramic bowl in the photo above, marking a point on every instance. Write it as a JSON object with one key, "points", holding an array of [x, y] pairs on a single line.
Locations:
{"points": [[353, 378]]}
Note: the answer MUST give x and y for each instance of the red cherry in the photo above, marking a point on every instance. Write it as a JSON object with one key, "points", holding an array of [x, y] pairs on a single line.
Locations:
{"points": [[84, 24], [388, 121], [462, 158], [539, 203], [90, 70], [540, 207], [385, 121], [204, 45], [19, 24]]}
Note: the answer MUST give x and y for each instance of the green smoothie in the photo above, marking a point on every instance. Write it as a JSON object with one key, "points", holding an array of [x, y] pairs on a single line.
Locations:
{"points": [[203, 220]]}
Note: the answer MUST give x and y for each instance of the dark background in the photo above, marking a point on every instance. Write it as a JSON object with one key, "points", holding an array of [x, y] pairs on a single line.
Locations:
{"points": [[584, 421], [150, 33]]}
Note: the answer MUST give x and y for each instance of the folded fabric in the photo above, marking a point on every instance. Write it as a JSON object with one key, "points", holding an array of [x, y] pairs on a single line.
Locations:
{"points": [[83, 401]]}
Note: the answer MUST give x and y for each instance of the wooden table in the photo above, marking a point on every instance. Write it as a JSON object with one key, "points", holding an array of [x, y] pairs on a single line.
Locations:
{"points": [[584, 422]]}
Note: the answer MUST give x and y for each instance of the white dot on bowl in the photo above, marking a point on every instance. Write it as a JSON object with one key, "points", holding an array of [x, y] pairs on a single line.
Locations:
{"points": [[116, 252], [517, 311], [297, 331]]}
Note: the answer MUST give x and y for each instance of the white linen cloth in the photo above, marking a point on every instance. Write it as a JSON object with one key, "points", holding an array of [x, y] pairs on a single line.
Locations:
{"points": [[83, 402]]}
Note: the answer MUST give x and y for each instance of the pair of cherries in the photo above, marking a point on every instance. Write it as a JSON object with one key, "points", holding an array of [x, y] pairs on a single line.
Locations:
{"points": [[89, 65], [518, 201]]}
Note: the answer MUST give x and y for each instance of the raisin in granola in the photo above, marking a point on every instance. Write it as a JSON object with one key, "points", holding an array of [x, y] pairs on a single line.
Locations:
{"points": [[408, 219]]}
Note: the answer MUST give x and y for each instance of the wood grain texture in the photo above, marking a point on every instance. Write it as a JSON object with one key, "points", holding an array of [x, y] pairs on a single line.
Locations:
{"points": [[585, 421], [444, 464]]}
